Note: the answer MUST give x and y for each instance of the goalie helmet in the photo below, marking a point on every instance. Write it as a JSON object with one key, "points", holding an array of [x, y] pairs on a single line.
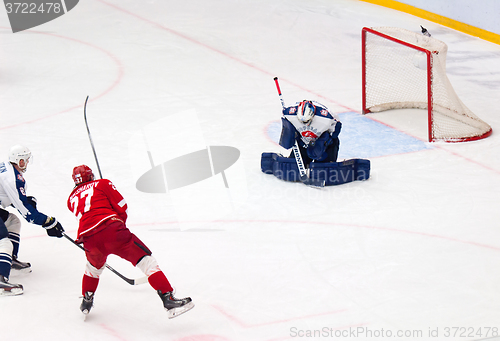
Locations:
{"points": [[82, 174], [305, 112], [18, 153]]}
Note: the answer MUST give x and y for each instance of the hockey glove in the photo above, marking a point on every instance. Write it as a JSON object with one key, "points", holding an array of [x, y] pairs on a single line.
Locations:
{"points": [[336, 131], [316, 149], [53, 227], [288, 134]]}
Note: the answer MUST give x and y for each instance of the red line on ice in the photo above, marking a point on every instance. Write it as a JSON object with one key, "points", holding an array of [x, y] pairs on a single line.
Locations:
{"points": [[425, 234], [246, 325], [211, 48], [111, 87]]}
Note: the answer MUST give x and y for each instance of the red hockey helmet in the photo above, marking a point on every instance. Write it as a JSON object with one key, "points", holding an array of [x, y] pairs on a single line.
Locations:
{"points": [[82, 174]]}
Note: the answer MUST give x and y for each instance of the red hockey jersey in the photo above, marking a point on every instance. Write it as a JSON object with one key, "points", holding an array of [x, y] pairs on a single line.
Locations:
{"points": [[93, 203]]}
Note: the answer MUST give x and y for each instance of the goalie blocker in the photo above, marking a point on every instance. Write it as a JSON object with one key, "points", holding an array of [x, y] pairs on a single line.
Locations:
{"points": [[334, 173]]}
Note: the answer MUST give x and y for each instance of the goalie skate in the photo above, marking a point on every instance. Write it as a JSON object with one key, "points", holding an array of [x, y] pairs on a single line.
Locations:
{"points": [[174, 306], [20, 267], [9, 289]]}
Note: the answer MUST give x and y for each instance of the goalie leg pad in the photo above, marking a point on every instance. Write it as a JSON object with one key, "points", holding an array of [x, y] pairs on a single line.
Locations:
{"points": [[266, 162], [338, 173], [283, 168], [286, 168], [362, 169]]}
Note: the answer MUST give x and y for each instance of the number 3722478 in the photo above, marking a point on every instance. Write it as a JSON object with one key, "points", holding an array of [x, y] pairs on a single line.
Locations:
{"points": [[471, 332], [33, 8]]}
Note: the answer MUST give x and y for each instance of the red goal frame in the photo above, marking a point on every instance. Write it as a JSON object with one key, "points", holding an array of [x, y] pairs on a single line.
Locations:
{"points": [[430, 102]]}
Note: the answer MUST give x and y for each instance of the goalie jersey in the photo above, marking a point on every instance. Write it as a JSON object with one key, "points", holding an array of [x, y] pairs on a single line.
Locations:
{"points": [[322, 121]]}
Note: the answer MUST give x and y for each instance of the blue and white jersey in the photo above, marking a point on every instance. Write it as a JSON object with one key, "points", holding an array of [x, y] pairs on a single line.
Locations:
{"points": [[321, 122], [13, 192]]}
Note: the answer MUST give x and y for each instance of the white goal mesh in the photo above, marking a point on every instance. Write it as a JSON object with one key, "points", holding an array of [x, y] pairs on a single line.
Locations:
{"points": [[404, 69]]}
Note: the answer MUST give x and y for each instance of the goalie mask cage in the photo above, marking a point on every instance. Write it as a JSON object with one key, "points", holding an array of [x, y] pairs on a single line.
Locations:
{"points": [[403, 69]]}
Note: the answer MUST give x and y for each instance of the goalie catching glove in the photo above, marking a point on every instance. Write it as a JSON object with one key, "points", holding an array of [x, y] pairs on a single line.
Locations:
{"points": [[53, 227]]}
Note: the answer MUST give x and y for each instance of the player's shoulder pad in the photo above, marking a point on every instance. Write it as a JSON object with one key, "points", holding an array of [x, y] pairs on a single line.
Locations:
{"points": [[323, 112], [290, 111]]}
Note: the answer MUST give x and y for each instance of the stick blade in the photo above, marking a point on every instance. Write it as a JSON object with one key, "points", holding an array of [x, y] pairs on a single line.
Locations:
{"points": [[141, 280], [316, 183]]}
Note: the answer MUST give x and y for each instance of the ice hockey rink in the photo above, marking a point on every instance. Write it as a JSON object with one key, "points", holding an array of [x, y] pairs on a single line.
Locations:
{"points": [[412, 253]]}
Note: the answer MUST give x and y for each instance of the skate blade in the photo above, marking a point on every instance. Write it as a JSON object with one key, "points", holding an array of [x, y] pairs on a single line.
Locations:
{"points": [[85, 314], [20, 271], [11, 292], [174, 312]]}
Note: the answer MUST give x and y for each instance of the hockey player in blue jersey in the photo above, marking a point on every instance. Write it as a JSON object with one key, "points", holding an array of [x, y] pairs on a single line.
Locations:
{"points": [[13, 193], [314, 128]]}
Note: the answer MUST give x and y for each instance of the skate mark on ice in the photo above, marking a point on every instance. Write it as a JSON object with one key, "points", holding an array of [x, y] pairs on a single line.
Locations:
{"points": [[116, 61], [224, 54], [308, 223], [207, 337], [255, 325], [113, 332]]}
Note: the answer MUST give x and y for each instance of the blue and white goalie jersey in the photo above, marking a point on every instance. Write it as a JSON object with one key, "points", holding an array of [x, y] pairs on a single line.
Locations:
{"points": [[322, 121]]}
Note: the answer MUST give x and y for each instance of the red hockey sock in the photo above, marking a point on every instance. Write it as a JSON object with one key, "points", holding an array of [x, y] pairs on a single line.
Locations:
{"points": [[89, 284], [159, 282]]}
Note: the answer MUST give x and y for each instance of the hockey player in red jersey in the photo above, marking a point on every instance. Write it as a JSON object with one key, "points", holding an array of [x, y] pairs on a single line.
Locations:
{"points": [[102, 214]]}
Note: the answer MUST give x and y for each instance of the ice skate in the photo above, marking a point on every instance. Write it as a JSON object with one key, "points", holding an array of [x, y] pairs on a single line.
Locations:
{"points": [[87, 303], [20, 267], [174, 306], [9, 289]]}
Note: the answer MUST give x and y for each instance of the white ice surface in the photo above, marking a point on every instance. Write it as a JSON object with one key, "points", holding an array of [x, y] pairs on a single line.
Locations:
{"points": [[415, 248]]}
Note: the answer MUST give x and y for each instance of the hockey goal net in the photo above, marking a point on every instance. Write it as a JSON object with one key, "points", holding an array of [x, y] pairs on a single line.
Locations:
{"points": [[403, 69]]}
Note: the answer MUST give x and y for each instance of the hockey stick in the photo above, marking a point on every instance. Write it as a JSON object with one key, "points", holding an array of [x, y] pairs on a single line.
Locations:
{"points": [[90, 137], [296, 152], [128, 280]]}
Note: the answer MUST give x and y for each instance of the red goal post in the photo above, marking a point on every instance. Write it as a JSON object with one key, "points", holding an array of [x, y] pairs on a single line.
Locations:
{"points": [[407, 70]]}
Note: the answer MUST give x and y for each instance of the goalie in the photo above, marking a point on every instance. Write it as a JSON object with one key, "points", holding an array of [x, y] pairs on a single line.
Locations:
{"points": [[310, 126], [315, 130]]}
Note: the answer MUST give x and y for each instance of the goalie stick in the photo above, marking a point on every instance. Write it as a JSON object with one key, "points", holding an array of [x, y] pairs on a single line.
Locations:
{"points": [[128, 280], [296, 152]]}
